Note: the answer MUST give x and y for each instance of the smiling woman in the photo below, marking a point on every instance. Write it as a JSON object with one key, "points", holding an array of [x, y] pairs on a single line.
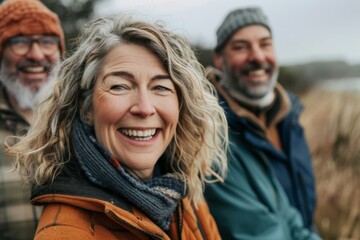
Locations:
{"points": [[123, 147], [138, 130]]}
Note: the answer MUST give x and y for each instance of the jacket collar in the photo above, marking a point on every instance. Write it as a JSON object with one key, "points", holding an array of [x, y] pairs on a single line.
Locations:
{"points": [[72, 182], [282, 101]]}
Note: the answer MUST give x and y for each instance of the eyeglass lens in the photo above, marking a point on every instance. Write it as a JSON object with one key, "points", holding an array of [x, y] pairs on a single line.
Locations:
{"points": [[21, 45]]}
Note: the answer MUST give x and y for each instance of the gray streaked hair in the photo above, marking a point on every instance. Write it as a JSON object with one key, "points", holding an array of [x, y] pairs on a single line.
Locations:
{"points": [[200, 139]]}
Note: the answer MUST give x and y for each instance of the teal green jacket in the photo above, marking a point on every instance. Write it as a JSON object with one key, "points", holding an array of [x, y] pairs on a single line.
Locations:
{"points": [[251, 204]]}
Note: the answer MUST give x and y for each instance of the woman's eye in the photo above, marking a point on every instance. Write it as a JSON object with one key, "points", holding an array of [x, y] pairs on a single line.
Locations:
{"points": [[162, 88], [117, 88]]}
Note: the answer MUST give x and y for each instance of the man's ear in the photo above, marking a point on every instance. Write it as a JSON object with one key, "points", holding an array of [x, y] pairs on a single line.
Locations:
{"points": [[218, 60]]}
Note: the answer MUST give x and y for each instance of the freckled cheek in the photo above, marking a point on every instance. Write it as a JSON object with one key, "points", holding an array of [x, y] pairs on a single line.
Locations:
{"points": [[107, 115], [169, 110], [107, 111]]}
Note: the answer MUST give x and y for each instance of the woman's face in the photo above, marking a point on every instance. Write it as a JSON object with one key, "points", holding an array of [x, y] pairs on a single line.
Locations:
{"points": [[135, 108]]}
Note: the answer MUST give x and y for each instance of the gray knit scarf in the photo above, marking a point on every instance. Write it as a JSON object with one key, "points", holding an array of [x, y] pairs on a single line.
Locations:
{"points": [[157, 197]]}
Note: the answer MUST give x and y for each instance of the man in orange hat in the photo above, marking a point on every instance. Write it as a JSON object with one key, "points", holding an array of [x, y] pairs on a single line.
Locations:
{"points": [[31, 43]]}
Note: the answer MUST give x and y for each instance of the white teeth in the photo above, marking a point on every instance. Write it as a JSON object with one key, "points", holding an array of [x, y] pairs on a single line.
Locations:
{"points": [[138, 134], [257, 73], [35, 69]]}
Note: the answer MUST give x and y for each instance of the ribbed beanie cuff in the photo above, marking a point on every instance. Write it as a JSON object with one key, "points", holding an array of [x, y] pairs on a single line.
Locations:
{"points": [[237, 19]]}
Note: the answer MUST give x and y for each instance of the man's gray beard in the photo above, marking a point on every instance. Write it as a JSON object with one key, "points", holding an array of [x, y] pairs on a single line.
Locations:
{"points": [[265, 100], [24, 96]]}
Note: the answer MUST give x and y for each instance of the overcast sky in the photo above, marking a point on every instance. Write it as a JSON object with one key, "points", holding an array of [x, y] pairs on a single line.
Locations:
{"points": [[305, 30]]}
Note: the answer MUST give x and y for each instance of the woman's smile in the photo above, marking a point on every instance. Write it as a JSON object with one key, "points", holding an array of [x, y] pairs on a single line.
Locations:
{"points": [[139, 135]]}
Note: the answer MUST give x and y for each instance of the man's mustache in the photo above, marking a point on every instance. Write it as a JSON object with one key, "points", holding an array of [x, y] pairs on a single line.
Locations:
{"points": [[256, 66], [25, 64]]}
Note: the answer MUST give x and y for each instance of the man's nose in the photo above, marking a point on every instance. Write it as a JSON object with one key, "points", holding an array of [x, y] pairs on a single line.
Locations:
{"points": [[257, 55], [35, 52]]}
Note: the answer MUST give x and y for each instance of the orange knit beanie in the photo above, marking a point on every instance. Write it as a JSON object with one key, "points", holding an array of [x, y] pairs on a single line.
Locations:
{"points": [[28, 17]]}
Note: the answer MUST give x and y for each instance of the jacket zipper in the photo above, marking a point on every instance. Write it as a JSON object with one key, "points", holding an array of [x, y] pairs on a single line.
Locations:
{"points": [[305, 200], [132, 226], [179, 219], [198, 221]]}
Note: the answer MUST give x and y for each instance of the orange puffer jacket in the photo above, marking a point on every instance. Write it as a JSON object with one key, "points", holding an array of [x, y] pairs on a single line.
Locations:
{"points": [[76, 209], [67, 217]]}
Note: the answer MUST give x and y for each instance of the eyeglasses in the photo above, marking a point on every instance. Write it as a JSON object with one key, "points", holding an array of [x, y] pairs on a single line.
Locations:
{"points": [[21, 45]]}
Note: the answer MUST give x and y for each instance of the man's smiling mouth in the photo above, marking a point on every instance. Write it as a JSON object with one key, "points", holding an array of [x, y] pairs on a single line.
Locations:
{"points": [[257, 73]]}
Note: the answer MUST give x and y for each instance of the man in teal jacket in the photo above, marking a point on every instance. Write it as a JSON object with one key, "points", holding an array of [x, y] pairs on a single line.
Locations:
{"points": [[269, 191]]}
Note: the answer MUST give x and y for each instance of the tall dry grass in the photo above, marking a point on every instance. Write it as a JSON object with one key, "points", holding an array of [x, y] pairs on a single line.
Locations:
{"points": [[332, 125]]}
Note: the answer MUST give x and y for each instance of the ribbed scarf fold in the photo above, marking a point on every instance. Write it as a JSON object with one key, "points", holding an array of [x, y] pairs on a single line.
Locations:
{"points": [[157, 197]]}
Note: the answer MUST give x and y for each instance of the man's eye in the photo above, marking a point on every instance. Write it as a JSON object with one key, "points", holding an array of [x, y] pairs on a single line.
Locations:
{"points": [[47, 41], [239, 48], [267, 44], [19, 41]]}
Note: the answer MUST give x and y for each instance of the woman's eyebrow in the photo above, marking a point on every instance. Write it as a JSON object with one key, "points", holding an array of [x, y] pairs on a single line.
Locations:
{"points": [[130, 76], [123, 74], [161, 76]]}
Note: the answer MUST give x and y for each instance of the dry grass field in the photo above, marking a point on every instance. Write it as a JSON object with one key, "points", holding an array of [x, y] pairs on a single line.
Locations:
{"points": [[332, 125]]}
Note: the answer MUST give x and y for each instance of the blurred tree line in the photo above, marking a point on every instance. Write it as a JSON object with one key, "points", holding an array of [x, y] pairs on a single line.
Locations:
{"points": [[297, 78], [73, 15]]}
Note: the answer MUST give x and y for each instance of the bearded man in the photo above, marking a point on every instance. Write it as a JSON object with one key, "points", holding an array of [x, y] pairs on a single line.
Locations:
{"points": [[269, 192], [31, 43]]}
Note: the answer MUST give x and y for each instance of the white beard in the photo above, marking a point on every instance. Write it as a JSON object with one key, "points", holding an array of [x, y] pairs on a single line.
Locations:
{"points": [[24, 96], [261, 102]]}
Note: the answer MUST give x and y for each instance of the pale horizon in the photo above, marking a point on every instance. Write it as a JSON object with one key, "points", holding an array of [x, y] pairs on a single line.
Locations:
{"points": [[304, 31]]}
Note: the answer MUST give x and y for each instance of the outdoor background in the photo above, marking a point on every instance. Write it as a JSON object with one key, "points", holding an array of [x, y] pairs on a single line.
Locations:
{"points": [[318, 48]]}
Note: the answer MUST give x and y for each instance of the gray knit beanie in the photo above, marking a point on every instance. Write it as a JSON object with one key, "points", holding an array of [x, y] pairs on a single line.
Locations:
{"points": [[237, 19]]}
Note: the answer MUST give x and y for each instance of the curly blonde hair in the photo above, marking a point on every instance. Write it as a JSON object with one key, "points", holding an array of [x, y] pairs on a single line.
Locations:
{"points": [[200, 141]]}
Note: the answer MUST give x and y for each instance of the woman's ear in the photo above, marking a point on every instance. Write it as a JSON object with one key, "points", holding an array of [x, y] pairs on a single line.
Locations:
{"points": [[86, 112], [89, 117]]}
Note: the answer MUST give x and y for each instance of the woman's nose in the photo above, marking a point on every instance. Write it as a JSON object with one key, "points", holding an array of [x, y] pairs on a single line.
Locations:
{"points": [[143, 105]]}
